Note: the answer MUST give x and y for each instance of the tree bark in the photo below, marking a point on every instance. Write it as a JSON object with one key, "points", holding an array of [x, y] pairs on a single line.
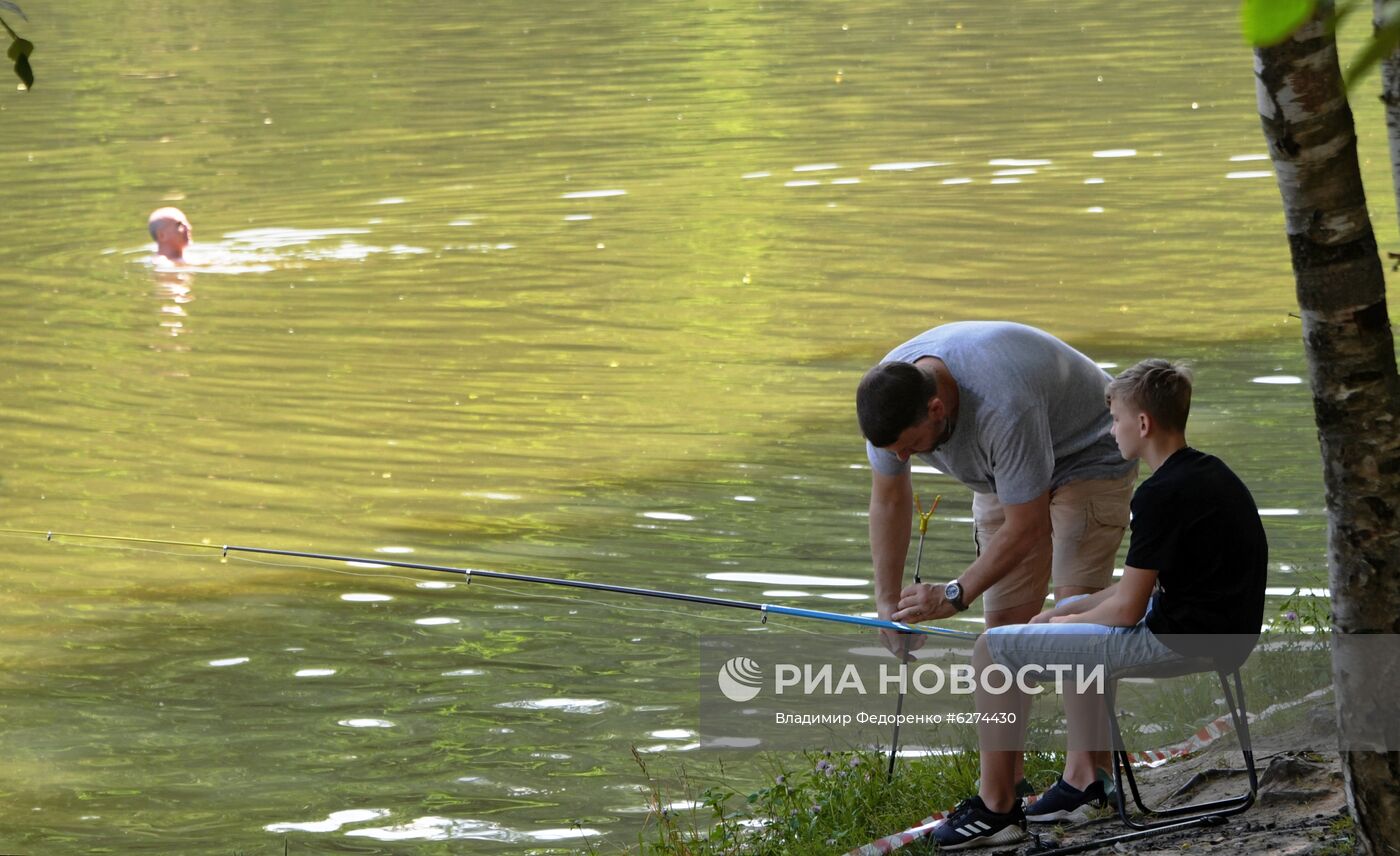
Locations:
{"points": [[1356, 393], [1390, 97]]}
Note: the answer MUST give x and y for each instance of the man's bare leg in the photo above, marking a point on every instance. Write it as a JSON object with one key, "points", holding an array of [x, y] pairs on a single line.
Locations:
{"points": [[1001, 768]]}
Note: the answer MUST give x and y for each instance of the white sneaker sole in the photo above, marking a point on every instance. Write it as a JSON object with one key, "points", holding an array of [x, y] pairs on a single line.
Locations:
{"points": [[1078, 815], [1012, 834]]}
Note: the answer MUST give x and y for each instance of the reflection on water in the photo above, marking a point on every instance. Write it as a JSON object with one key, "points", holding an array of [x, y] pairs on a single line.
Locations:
{"points": [[335, 821], [785, 579]]}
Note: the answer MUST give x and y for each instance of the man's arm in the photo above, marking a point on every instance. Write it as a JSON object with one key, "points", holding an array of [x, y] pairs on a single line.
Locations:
{"points": [[891, 523], [1125, 604], [1027, 528]]}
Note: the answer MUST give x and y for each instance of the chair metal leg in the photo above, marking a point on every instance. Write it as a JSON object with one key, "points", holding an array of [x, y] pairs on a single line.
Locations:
{"points": [[1122, 767]]}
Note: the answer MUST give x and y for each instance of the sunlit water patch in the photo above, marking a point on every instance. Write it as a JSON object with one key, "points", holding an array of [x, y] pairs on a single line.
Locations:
{"points": [[673, 734], [592, 194], [366, 723], [783, 579], [433, 828], [279, 237], [335, 821], [564, 705], [905, 166]]}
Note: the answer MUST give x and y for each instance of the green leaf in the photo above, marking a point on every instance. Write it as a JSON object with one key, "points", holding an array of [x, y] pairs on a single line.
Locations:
{"points": [[1381, 45], [1268, 22]]}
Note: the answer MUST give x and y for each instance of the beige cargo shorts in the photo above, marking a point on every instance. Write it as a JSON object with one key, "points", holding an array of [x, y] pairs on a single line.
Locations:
{"points": [[1087, 522]]}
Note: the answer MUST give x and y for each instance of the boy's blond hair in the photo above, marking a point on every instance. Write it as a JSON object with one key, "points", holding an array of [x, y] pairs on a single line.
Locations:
{"points": [[1159, 388]]}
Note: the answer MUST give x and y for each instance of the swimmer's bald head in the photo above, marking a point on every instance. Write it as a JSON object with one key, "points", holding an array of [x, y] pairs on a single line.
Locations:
{"points": [[170, 229]]}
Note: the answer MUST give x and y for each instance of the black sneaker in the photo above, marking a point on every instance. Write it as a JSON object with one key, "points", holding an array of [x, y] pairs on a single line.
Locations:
{"points": [[972, 825], [1066, 802]]}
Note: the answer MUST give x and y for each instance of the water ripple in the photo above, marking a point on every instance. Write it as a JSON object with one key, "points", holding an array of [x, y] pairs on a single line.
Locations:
{"points": [[335, 821]]}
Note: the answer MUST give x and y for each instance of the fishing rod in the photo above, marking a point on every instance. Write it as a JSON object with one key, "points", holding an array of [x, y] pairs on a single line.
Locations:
{"points": [[765, 609]]}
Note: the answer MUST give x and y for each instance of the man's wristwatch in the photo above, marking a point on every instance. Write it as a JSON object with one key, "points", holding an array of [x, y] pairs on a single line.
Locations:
{"points": [[952, 593]]}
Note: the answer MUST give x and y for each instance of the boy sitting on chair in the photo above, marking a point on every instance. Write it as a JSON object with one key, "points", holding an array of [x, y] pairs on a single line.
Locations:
{"points": [[1196, 565]]}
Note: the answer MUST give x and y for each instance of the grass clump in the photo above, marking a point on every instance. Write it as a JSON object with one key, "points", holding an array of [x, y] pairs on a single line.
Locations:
{"points": [[819, 802]]}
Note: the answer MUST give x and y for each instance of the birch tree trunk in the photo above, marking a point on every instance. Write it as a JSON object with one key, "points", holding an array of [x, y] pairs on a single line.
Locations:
{"points": [[1390, 97], [1356, 394]]}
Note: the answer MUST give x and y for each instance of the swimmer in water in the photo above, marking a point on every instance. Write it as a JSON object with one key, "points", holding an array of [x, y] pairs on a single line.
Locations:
{"points": [[170, 229]]}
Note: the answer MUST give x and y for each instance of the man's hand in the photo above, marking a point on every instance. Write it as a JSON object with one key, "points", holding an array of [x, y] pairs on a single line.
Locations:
{"points": [[923, 602], [902, 645], [1043, 617]]}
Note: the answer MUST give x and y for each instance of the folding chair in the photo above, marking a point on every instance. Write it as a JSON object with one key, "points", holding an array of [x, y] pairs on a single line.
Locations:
{"points": [[1122, 762]]}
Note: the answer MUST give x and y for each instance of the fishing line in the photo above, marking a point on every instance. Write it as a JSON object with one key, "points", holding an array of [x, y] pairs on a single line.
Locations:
{"points": [[402, 578], [508, 591], [469, 574]]}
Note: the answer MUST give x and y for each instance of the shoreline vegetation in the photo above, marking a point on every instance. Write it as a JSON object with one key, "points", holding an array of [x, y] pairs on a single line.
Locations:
{"points": [[834, 801], [816, 802]]}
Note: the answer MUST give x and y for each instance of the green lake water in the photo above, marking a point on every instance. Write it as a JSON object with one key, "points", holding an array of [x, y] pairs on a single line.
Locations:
{"points": [[569, 289]]}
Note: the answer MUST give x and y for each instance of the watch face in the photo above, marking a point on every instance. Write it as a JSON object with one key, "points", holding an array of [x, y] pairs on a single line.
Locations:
{"points": [[952, 591]]}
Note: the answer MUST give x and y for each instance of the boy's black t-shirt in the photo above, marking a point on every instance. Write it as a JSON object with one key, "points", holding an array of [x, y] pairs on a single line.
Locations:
{"points": [[1196, 525]]}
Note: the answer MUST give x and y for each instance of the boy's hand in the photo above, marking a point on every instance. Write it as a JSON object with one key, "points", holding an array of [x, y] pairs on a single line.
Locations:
{"points": [[1043, 617]]}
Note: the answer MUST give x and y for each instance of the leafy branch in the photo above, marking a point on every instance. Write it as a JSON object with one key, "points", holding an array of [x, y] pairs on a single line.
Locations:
{"points": [[1268, 22]]}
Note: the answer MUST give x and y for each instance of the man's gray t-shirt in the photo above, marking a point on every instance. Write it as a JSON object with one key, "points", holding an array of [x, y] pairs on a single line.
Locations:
{"points": [[1031, 411]]}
